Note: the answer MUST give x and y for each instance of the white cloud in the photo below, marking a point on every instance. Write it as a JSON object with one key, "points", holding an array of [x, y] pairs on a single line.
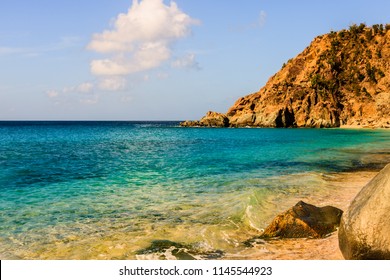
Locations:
{"points": [[52, 93], [109, 67], [188, 61], [126, 98], [8, 50], [112, 83], [147, 56], [162, 75], [90, 100], [261, 19], [259, 22], [84, 92], [140, 39], [86, 87], [62, 44]]}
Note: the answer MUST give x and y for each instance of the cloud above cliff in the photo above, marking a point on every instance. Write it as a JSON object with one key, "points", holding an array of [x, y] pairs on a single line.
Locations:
{"points": [[140, 39]]}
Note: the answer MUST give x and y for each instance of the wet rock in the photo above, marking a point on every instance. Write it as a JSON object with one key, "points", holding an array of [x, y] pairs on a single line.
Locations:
{"points": [[211, 119], [253, 241], [304, 220], [214, 119], [190, 124], [365, 227], [178, 250]]}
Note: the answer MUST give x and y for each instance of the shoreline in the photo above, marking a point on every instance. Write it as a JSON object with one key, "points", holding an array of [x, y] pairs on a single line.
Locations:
{"points": [[346, 185], [196, 124], [363, 127], [339, 190]]}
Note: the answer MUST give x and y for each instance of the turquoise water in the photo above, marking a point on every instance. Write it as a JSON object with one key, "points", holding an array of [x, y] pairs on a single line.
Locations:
{"points": [[101, 190]]}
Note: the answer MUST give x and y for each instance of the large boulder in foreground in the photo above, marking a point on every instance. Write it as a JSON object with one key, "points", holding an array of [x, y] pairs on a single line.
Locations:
{"points": [[365, 227], [304, 220]]}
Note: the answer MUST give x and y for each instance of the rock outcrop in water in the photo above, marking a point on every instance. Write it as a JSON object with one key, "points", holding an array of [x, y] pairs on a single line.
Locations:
{"points": [[304, 220], [212, 119], [341, 79], [365, 227]]}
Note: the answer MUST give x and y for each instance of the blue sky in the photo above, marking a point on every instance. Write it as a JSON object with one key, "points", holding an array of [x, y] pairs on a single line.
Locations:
{"points": [[153, 59]]}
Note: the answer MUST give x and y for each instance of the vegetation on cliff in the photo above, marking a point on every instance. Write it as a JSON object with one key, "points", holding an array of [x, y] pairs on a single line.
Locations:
{"points": [[341, 79]]}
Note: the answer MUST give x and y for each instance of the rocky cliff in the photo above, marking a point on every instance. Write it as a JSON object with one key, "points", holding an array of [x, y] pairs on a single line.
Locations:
{"points": [[341, 79]]}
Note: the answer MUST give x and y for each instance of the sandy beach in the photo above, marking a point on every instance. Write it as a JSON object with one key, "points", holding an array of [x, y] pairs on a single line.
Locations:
{"points": [[344, 187]]}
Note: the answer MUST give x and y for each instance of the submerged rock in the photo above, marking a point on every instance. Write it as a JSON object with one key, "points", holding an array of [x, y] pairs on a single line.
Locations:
{"points": [[365, 227], [304, 220], [162, 248]]}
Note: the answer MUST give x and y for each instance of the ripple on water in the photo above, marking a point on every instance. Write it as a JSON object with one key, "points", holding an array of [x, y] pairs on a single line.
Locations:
{"points": [[110, 191]]}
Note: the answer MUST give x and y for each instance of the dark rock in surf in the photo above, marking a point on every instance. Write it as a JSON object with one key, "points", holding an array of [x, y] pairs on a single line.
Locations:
{"points": [[179, 251], [304, 220]]}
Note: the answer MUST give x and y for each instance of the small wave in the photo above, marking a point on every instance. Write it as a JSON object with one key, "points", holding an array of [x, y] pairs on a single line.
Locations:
{"points": [[169, 250]]}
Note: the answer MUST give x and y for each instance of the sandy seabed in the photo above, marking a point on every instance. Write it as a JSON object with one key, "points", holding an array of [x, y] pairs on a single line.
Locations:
{"points": [[339, 190]]}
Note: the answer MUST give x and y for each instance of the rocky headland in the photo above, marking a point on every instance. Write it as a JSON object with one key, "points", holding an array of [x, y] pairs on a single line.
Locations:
{"points": [[341, 79]]}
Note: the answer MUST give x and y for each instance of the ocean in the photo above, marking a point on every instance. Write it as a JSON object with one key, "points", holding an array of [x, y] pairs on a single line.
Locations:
{"points": [[155, 190]]}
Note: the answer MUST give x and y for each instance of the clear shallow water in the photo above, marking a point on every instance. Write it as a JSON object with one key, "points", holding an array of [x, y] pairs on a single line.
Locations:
{"points": [[101, 190]]}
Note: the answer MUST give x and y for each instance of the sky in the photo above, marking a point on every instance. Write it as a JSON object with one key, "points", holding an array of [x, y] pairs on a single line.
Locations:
{"points": [[154, 59]]}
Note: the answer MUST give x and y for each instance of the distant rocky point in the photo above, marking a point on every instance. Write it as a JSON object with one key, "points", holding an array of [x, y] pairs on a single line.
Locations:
{"points": [[341, 79]]}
